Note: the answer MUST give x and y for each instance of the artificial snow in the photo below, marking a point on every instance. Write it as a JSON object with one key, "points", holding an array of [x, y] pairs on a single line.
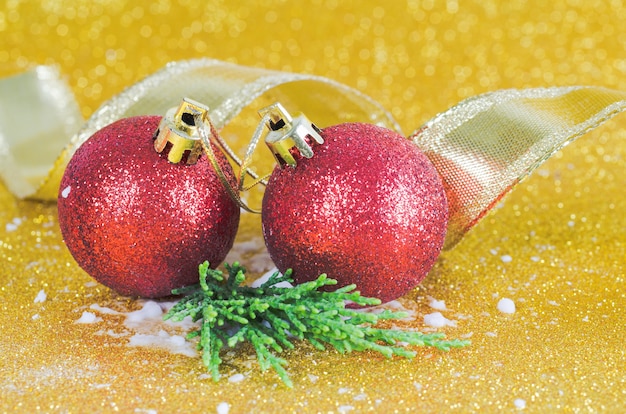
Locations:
{"points": [[437, 304], [146, 328], [236, 378], [223, 408], [519, 403], [104, 310], [88, 317], [437, 320], [506, 305], [175, 344], [150, 310], [506, 258], [41, 297]]}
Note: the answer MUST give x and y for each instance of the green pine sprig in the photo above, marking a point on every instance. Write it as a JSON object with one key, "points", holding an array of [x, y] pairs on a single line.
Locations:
{"points": [[271, 317]]}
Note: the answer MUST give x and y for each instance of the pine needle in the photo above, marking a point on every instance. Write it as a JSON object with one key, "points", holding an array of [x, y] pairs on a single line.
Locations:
{"points": [[271, 318]]}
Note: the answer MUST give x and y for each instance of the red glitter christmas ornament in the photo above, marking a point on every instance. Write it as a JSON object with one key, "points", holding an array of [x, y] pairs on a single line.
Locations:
{"points": [[355, 201], [140, 207]]}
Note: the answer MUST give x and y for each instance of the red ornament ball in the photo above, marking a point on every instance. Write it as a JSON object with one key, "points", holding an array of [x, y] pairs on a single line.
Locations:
{"points": [[368, 208], [138, 223]]}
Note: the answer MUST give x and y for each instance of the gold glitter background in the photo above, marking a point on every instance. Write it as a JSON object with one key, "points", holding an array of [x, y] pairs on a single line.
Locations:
{"points": [[556, 246]]}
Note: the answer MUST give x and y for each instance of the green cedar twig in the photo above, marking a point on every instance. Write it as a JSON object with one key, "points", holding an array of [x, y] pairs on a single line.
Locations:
{"points": [[269, 317]]}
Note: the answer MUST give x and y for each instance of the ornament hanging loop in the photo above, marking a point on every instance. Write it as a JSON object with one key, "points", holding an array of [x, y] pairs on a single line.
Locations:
{"points": [[289, 134], [208, 133]]}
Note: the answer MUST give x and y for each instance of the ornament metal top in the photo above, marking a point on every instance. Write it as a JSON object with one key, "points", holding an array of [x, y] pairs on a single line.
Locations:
{"points": [[287, 133], [178, 136]]}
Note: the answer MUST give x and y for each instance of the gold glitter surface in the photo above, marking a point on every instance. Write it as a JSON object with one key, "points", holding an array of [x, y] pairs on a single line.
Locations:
{"points": [[556, 246]]}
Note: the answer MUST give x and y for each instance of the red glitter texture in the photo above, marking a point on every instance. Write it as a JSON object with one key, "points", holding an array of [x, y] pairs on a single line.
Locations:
{"points": [[368, 208], [138, 223]]}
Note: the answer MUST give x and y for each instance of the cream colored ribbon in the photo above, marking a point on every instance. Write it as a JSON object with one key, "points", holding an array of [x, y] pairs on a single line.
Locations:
{"points": [[38, 115], [482, 147]]}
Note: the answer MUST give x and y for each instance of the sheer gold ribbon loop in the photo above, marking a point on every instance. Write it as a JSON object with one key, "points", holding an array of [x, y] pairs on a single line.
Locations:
{"points": [[485, 145], [224, 87]]}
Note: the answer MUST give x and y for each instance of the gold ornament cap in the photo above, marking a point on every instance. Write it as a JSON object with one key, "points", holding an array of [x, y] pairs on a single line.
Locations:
{"points": [[177, 137], [289, 134]]}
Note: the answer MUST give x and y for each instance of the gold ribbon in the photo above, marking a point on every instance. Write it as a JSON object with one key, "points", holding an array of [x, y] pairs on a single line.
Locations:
{"points": [[482, 147], [486, 145]]}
